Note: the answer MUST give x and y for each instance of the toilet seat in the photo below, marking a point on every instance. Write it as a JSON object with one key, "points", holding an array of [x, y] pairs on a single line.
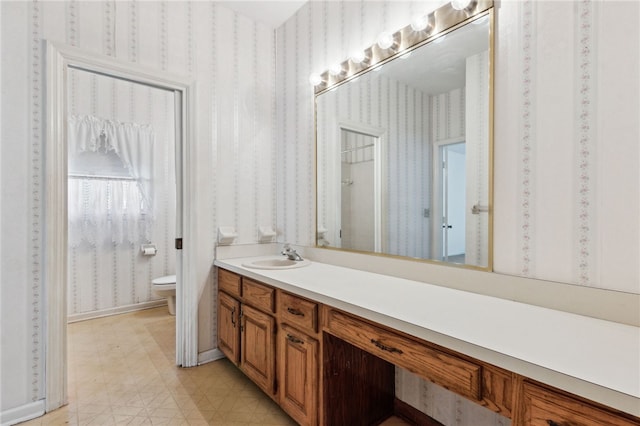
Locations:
{"points": [[166, 287], [167, 282]]}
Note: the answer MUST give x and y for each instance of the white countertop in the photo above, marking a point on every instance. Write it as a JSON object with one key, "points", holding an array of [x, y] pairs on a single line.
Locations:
{"points": [[512, 335]]}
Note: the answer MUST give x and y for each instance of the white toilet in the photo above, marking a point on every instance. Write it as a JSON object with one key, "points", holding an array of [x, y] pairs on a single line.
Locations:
{"points": [[166, 287]]}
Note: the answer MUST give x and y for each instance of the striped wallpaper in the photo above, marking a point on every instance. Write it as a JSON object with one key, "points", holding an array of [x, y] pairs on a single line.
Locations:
{"points": [[566, 139], [230, 58]]}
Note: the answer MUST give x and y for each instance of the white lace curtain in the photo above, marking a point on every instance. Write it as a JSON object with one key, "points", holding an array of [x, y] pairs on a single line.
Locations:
{"points": [[111, 210]]}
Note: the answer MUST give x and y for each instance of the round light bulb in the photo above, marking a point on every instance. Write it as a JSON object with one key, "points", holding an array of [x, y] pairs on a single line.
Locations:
{"points": [[460, 4], [357, 56], [385, 40], [335, 69], [419, 22], [315, 79]]}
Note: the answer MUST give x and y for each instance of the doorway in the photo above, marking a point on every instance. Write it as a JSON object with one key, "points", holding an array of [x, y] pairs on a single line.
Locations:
{"points": [[450, 202], [121, 193], [61, 61], [360, 213]]}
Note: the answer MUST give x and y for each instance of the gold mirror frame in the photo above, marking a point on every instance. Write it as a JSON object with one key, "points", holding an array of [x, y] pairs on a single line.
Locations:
{"points": [[439, 23]]}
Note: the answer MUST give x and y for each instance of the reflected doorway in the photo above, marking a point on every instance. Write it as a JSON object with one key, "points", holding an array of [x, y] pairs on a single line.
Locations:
{"points": [[360, 215], [357, 191], [450, 188]]}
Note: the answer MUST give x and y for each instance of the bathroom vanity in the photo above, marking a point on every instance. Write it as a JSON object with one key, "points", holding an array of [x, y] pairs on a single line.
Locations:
{"points": [[323, 342]]}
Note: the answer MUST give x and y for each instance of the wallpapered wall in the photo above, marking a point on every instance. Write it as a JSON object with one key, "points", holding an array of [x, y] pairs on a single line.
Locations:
{"points": [[566, 195], [565, 130], [232, 61]]}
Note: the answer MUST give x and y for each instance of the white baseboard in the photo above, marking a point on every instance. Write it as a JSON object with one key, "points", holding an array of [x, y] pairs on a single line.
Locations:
{"points": [[208, 356], [115, 311], [22, 413]]}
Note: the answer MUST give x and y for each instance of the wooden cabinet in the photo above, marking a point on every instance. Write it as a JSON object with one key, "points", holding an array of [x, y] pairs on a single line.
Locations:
{"points": [[298, 353], [546, 407], [446, 370], [229, 327], [326, 366], [258, 348], [229, 282], [299, 312], [246, 327], [298, 375]]}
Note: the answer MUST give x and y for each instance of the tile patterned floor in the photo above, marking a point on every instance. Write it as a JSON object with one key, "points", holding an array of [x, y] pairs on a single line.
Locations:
{"points": [[122, 372]]}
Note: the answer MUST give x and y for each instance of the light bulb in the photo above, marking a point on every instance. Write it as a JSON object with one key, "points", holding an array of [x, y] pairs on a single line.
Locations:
{"points": [[357, 56], [419, 22], [336, 69], [460, 4], [315, 79], [385, 40]]}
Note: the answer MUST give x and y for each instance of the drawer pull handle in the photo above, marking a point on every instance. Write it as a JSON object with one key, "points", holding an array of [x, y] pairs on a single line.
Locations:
{"points": [[385, 347], [294, 339], [233, 317], [296, 312], [552, 423]]}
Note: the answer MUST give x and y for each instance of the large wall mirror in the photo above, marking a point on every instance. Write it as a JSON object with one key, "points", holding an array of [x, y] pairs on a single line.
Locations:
{"points": [[404, 146]]}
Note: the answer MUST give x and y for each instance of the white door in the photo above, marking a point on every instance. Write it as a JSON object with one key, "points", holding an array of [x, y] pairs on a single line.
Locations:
{"points": [[452, 194]]}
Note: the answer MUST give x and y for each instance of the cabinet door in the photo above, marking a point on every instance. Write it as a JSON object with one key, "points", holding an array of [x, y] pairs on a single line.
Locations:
{"points": [[229, 327], [298, 375], [258, 348]]}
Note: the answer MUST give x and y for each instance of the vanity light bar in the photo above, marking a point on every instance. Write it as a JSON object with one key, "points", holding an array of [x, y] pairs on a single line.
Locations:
{"points": [[422, 29]]}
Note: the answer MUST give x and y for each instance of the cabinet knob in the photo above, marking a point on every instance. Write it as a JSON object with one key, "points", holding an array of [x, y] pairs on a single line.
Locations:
{"points": [[552, 423]]}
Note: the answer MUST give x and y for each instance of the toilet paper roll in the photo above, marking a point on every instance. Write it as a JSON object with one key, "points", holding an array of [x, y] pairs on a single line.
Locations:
{"points": [[149, 250]]}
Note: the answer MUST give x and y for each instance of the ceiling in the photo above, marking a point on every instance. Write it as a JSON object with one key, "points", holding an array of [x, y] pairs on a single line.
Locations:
{"points": [[270, 12]]}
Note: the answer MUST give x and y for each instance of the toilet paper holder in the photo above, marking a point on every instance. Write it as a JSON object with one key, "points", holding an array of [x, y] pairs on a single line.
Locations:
{"points": [[148, 249]]}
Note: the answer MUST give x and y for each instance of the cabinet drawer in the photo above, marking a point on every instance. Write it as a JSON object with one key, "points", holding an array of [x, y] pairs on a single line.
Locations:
{"points": [[451, 372], [298, 312], [258, 295], [229, 282], [545, 407]]}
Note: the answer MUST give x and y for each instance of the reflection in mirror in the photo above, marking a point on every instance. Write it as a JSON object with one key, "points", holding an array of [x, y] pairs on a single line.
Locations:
{"points": [[404, 156]]}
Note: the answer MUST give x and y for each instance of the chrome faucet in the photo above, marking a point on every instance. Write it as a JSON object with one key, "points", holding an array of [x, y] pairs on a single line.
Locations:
{"points": [[290, 253]]}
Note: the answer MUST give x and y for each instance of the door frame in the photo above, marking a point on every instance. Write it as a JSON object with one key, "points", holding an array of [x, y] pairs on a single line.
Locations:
{"points": [[379, 184], [59, 58]]}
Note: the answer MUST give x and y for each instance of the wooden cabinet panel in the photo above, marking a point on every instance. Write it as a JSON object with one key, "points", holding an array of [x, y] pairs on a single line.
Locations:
{"points": [[229, 327], [449, 371], [299, 312], [258, 295], [545, 407], [229, 282], [497, 390], [258, 348], [298, 375]]}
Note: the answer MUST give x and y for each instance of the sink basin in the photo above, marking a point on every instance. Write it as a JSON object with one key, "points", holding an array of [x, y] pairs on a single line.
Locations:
{"points": [[283, 263]]}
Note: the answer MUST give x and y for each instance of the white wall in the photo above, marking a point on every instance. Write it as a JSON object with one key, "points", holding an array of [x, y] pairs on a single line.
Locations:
{"points": [[566, 140], [230, 58]]}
